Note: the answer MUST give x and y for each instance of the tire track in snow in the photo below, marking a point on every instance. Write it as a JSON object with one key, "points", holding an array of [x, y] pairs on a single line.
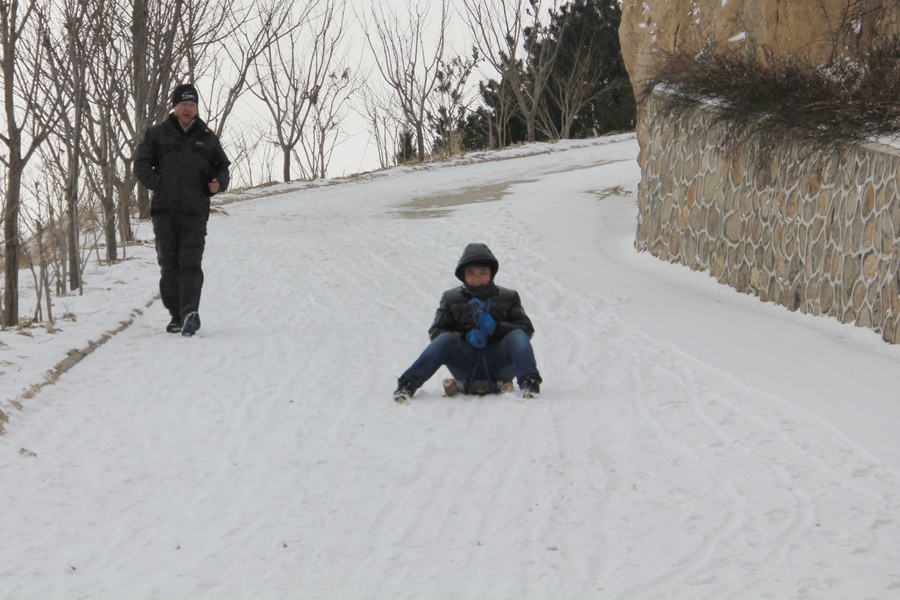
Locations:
{"points": [[778, 476], [725, 498], [717, 426]]}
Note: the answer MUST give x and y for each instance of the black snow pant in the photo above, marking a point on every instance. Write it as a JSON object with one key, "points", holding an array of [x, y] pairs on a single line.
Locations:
{"points": [[180, 240]]}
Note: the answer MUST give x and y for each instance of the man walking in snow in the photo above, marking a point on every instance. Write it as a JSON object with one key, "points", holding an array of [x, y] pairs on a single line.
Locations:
{"points": [[480, 333], [181, 161]]}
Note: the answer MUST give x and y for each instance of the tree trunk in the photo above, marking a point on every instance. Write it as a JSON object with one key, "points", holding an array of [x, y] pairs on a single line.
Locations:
{"points": [[72, 229], [11, 245], [14, 168], [125, 194], [109, 215], [139, 18], [285, 163], [420, 140], [72, 176]]}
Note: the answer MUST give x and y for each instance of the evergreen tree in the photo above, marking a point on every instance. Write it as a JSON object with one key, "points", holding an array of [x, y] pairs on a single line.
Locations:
{"points": [[406, 147], [589, 93], [476, 130], [592, 93], [496, 124]]}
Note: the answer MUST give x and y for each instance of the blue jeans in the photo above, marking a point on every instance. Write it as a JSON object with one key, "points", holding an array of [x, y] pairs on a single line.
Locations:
{"points": [[511, 357]]}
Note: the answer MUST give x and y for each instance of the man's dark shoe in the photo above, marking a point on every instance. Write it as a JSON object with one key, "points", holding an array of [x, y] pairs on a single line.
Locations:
{"points": [[174, 326], [531, 387], [191, 324]]}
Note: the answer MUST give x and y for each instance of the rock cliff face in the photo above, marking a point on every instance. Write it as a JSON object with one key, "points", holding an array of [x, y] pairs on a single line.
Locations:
{"points": [[816, 29]]}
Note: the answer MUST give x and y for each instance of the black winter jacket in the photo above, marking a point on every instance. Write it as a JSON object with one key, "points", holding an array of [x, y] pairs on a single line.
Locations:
{"points": [[453, 315], [177, 165]]}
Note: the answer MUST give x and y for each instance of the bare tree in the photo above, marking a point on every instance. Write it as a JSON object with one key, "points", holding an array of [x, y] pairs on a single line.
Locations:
{"points": [[506, 111], [498, 117], [46, 241], [588, 69], [406, 63], [68, 59], [227, 54], [112, 130], [244, 146], [571, 91], [450, 102], [324, 132], [105, 139], [288, 91], [30, 115], [380, 115], [37, 232], [503, 30], [302, 88]]}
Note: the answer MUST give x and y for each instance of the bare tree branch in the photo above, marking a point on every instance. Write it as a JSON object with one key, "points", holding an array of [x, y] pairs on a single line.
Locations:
{"points": [[295, 81], [406, 62], [30, 115], [499, 29]]}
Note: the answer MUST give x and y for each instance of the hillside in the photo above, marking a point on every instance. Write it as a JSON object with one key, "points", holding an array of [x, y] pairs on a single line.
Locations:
{"points": [[690, 442]]}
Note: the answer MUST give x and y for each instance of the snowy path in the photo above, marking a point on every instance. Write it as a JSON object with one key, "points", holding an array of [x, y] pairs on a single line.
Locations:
{"points": [[265, 459]]}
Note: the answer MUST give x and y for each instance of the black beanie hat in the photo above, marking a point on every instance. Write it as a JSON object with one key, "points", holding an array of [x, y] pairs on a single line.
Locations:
{"points": [[183, 92]]}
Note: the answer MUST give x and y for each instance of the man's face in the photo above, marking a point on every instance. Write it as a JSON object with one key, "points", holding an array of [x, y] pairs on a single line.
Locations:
{"points": [[477, 275], [185, 111]]}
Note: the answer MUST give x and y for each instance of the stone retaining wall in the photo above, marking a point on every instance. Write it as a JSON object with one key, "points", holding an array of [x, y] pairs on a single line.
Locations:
{"points": [[819, 239]]}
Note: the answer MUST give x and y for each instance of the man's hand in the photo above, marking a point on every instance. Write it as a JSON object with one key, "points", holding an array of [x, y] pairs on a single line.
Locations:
{"points": [[214, 186]]}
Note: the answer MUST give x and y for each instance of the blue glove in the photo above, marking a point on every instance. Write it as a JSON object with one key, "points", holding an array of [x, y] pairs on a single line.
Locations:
{"points": [[477, 338], [476, 307], [487, 324]]}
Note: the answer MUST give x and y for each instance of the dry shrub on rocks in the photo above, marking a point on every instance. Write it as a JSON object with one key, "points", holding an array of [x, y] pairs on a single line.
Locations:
{"points": [[774, 100]]}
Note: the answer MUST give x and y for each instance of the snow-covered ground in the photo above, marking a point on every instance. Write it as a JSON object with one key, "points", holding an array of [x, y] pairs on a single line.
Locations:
{"points": [[690, 441]]}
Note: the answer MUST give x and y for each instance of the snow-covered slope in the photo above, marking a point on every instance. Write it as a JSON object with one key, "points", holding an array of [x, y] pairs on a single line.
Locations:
{"points": [[690, 442]]}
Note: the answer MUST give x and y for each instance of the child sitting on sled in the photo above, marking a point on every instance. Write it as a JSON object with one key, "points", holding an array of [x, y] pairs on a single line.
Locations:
{"points": [[480, 333]]}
